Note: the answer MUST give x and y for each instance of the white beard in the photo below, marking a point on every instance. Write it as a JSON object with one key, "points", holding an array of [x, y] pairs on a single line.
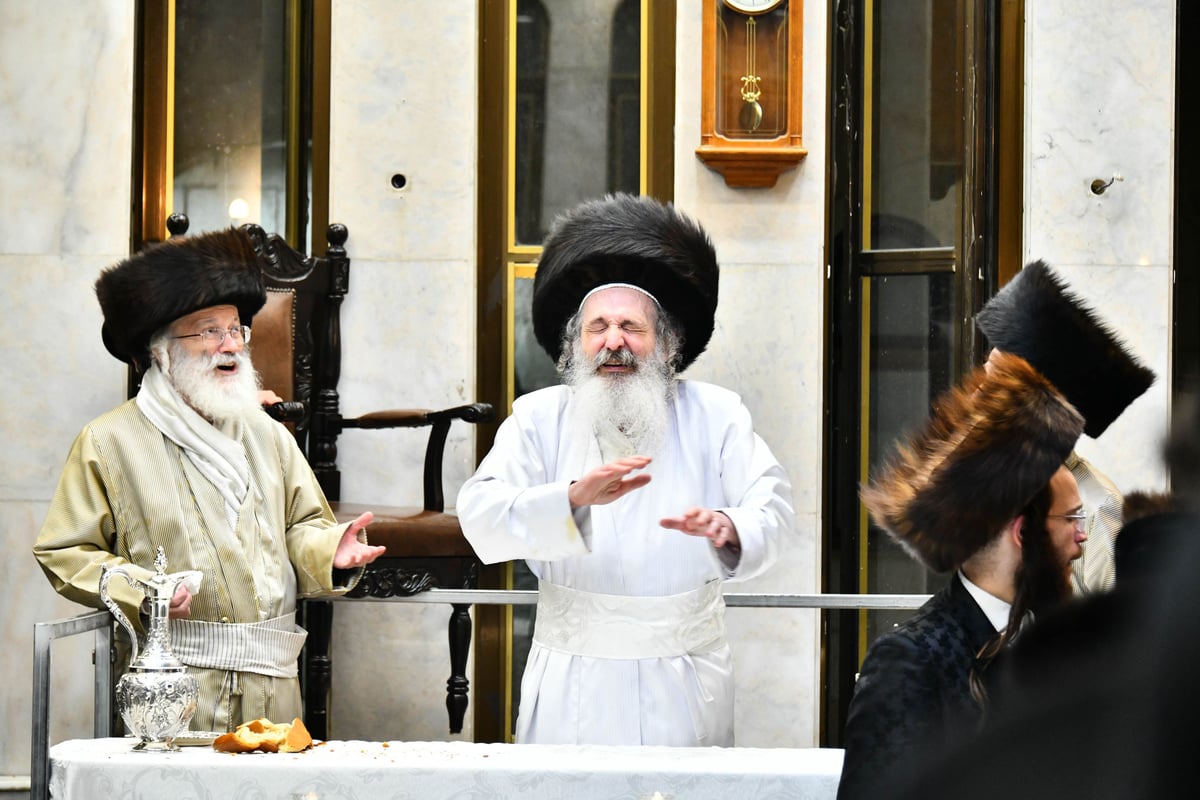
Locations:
{"points": [[629, 412], [206, 390]]}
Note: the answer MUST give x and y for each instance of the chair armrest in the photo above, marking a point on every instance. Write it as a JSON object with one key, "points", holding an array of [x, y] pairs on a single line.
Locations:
{"points": [[435, 447], [420, 417], [286, 411]]}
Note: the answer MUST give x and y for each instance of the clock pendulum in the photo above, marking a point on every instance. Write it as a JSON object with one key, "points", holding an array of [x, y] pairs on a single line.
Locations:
{"points": [[750, 116]]}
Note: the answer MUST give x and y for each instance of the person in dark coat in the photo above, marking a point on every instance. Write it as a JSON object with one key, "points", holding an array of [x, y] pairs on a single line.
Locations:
{"points": [[980, 491], [1094, 700]]}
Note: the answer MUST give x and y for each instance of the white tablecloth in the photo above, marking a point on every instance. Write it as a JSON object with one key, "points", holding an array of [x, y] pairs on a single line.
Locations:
{"points": [[90, 769]]}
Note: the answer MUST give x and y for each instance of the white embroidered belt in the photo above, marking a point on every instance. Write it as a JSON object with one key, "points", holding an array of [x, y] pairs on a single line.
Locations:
{"points": [[266, 648], [617, 626]]}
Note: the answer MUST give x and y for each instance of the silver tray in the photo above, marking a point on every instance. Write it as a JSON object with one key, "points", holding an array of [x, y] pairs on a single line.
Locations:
{"points": [[197, 738]]}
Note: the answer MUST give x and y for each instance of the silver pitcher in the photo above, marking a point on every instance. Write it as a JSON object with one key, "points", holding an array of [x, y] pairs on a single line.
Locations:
{"points": [[156, 697]]}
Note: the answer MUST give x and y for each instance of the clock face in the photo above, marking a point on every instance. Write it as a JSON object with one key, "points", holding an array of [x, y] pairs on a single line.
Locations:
{"points": [[752, 6]]}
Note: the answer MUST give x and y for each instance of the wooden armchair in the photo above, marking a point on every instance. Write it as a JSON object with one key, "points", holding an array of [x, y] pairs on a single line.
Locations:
{"points": [[297, 349]]}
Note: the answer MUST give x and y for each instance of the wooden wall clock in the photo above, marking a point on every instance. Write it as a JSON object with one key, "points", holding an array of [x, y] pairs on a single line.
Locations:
{"points": [[751, 82]]}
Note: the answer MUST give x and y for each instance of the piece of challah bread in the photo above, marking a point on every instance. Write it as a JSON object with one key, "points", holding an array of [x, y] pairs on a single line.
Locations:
{"points": [[267, 736]]}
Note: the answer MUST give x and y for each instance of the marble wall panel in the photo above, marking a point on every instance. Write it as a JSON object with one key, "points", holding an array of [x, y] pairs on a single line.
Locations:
{"points": [[404, 102], [64, 214], [68, 110], [768, 346], [390, 666], [1100, 102], [408, 335]]}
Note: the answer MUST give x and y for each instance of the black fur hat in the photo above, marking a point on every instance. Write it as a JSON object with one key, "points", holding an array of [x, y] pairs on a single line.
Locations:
{"points": [[169, 280], [1036, 317], [627, 239], [991, 444]]}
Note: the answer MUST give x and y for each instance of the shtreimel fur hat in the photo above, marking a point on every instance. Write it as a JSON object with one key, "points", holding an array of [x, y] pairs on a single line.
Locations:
{"points": [[1036, 317], [169, 280], [991, 444], [627, 239]]}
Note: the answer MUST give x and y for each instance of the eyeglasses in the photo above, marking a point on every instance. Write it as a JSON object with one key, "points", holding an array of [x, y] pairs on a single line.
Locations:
{"points": [[215, 337], [1079, 517]]}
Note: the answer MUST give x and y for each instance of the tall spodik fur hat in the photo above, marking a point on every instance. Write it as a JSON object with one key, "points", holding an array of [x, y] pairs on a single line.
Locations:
{"points": [[991, 444], [627, 239], [1036, 317], [165, 281]]}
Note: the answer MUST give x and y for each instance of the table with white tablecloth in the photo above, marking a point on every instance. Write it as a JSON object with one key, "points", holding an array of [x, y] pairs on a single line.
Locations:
{"points": [[87, 769]]}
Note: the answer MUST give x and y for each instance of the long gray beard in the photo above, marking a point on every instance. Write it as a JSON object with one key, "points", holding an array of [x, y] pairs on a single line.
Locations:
{"points": [[629, 413], [212, 397]]}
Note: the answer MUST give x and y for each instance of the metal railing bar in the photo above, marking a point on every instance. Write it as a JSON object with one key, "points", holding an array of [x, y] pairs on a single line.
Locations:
{"points": [[523, 597], [43, 634]]}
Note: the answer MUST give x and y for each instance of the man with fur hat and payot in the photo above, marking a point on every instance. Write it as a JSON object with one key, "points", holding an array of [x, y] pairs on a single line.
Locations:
{"points": [[192, 465], [980, 491], [1037, 318], [631, 493]]}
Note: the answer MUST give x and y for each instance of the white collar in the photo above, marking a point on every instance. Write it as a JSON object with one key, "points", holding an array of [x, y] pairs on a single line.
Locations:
{"points": [[995, 609]]}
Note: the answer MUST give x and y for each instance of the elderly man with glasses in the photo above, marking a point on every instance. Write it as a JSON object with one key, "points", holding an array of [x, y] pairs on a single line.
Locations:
{"points": [[192, 465]]}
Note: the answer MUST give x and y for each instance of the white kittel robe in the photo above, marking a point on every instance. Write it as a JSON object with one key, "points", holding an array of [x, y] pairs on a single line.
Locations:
{"points": [[516, 506]]}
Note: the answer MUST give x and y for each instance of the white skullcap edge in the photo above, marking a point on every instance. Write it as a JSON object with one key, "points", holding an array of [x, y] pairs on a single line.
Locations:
{"points": [[604, 286]]}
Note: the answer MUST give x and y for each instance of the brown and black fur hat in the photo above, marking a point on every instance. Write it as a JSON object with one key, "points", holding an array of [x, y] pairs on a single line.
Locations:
{"points": [[991, 444], [1036, 317], [623, 238], [166, 281]]}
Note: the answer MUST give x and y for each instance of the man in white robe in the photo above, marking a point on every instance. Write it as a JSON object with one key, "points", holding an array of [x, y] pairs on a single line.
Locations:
{"points": [[632, 494], [192, 465]]}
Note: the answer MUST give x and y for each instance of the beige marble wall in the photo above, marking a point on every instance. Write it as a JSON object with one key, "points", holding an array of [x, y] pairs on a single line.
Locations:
{"points": [[64, 214], [1100, 102], [403, 102], [768, 346]]}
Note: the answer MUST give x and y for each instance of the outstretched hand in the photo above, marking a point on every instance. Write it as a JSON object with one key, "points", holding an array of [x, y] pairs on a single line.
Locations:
{"points": [[352, 553], [714, 525], [609, 482]]}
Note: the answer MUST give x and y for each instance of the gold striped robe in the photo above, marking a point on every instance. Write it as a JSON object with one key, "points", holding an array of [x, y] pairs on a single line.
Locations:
{"points": [[127, 490]]}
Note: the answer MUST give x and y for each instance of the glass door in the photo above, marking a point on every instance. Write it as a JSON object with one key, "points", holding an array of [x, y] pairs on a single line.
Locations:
{"points": [[913, 242]]}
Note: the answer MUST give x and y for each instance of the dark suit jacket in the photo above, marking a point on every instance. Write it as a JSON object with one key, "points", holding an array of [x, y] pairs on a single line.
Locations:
{"points": [[913, 696]]}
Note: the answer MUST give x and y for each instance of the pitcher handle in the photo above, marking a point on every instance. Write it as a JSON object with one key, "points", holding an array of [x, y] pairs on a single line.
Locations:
{"points": [[106, 573]]}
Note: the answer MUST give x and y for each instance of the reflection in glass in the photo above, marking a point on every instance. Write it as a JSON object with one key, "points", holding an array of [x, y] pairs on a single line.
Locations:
{"points": [[532, 367], [533, 41], [912, 362], [230, 147], [625, 99], [577, 107], [916, 141]]}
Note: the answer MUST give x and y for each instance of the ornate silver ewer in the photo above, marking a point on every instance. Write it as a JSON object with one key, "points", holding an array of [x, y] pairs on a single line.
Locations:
{"points": [[156, 697]]}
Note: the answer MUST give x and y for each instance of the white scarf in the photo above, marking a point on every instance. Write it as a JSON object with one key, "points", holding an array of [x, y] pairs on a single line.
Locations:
{"points": [[216, 451]]}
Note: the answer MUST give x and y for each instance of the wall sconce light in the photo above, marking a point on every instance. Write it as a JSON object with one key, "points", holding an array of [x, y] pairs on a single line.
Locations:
{"points": [[239, 209]]}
